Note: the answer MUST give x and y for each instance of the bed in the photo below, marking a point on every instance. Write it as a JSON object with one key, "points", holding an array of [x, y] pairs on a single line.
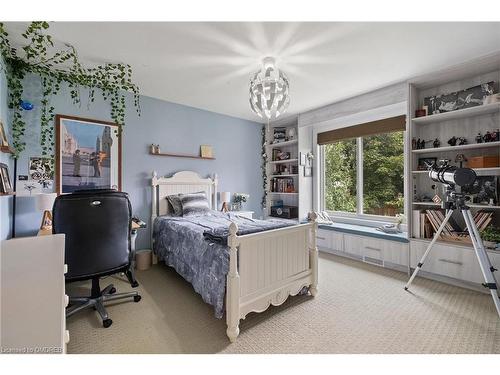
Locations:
{"points": [[235, 266]]}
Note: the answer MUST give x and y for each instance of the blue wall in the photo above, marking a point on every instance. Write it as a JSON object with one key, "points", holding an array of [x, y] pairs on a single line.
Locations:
{"points": [[176, 128], [6, 201]]}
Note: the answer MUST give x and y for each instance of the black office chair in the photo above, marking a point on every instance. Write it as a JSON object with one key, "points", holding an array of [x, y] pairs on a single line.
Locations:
{"points": [[97, 226]]}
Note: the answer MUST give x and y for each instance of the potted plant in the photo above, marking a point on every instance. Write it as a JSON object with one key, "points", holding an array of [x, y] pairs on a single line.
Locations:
{"points": [[239, 199], [491, 237]]}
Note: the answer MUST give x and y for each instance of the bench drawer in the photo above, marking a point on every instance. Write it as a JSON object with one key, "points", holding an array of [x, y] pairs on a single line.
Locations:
{"points": [[448, 260]]}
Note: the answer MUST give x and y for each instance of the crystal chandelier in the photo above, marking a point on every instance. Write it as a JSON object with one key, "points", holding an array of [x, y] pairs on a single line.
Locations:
{"points": [[269, 96]]}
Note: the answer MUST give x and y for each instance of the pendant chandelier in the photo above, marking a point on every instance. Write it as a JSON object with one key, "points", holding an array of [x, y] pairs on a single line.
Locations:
{"points": [[269, 97]]}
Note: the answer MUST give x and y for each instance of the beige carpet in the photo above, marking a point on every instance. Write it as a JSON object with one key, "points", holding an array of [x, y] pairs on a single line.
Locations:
{"points": [[359, 309]]}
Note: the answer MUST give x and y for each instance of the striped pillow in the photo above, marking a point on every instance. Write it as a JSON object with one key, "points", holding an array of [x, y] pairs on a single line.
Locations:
{"points": [[194, 204]]}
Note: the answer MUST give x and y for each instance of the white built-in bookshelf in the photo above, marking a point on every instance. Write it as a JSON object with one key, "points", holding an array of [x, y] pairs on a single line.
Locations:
{"points": [[466, 123], [282, 175]]}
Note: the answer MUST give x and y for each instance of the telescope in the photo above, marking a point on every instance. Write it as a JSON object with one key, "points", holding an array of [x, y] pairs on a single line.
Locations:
{"points": [[450, 175]]}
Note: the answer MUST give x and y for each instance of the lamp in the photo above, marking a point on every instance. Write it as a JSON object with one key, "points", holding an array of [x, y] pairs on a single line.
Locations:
{"points": [[225, 198], [269, 96], [44, 202]]}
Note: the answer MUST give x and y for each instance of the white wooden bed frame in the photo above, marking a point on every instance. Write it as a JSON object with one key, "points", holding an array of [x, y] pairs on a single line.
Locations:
{"points": [[264, 268]]}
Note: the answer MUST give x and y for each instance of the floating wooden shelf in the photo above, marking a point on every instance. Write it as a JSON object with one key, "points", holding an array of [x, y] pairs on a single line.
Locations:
{"points": [[6, 194], [181, 156], [459, 114], [7, 149]]}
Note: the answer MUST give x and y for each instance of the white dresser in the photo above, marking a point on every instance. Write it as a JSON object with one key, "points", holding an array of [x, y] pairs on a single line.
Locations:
{"points": [[33, 298]]}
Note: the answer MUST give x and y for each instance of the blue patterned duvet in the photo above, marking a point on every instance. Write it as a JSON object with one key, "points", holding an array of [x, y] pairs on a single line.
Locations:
{"points": [[187, 244]]}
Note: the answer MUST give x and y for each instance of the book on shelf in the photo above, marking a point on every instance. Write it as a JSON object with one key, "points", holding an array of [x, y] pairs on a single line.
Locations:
{"points": [[282, 185], [427, 222]]}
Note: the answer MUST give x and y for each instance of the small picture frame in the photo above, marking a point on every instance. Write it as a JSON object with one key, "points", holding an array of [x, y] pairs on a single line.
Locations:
{"points": [[3, 136], [424, 162], [307, 171], [5, 184], [302, 158], [206, 151]]}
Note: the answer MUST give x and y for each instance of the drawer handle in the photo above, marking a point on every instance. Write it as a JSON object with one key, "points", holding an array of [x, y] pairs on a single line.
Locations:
{"points": [[320, 238], [372, 248], [450, 261]]}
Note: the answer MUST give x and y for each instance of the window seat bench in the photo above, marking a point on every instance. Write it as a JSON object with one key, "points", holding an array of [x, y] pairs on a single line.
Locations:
{"points": [[365, 243]]}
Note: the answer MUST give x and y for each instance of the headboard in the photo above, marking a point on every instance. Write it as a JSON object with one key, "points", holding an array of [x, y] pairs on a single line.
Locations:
{"points": [[182, 182]]}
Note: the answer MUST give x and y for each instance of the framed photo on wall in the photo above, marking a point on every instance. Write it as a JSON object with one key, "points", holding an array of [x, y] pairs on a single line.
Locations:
{"points": [[5, 184], [88, 154]]}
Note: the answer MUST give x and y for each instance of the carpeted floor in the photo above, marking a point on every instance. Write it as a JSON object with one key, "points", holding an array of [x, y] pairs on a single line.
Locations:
{"points": [[359, 309]]}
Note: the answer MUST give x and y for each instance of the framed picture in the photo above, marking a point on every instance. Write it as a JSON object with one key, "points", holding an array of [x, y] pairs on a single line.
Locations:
{"points": [[302, 158], [423, 163], [40, 169], [484, 190], [3, 135], [5, 184], [206, 151], [88, 155], [307, 171]]}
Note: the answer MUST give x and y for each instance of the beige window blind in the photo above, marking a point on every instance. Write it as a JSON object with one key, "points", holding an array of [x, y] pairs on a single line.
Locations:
{"points": [[387, 125]]}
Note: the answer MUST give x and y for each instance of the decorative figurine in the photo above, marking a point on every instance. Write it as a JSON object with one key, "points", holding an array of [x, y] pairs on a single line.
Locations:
{"points": [[497, 135], [462, 141], [452, 141], [487, 137], [460, 158], [479, 138], [413, 143], [436, 143]]}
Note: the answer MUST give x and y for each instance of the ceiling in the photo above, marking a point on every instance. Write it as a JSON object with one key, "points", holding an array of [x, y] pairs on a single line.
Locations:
{"points": [[208, 65]]}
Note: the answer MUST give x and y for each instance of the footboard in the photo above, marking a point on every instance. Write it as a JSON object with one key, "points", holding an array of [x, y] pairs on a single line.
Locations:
{"points": [[267, 267]]}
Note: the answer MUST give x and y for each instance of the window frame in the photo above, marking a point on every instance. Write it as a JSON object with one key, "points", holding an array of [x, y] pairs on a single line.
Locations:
{"points": [[358, 217], [359, 214]]}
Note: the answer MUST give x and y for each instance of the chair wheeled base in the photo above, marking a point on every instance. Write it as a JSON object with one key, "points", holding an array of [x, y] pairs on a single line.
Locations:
{"points": [[97, 299]]}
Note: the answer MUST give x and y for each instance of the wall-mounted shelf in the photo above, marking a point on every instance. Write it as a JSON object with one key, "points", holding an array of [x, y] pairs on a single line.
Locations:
{"points": [[459, 114], [283, 175], [280, 144], [6, 194], [472, 205], [275, 192], [285, 161], [180, 156], [7, 149], [479, 170], [471, 146]]}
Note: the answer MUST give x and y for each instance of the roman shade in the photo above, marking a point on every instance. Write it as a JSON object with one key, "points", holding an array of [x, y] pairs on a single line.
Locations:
{"points": [[386, 125]]}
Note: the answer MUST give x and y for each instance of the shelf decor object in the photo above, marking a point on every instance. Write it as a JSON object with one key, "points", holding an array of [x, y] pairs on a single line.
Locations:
{"points": [[225, 198], [45, 202], [269, 97]]}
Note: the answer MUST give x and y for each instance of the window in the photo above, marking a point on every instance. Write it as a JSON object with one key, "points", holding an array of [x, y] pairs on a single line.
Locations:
{"points": [[383, 171], [340, 176], [365, 175]]}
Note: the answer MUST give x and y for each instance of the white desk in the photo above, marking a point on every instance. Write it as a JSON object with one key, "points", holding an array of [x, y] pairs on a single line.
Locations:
{"points": [[33, 299]]}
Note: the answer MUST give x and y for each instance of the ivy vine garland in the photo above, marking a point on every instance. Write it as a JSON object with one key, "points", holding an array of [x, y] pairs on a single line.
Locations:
{"points": [[55, 66]]}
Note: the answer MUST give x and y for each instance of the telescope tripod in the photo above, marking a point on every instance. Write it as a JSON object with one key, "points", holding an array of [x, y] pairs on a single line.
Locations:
{"points": [[457, 201]]}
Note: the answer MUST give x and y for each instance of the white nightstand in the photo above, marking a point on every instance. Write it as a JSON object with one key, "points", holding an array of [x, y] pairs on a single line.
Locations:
{"points": [[247, 214]]}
